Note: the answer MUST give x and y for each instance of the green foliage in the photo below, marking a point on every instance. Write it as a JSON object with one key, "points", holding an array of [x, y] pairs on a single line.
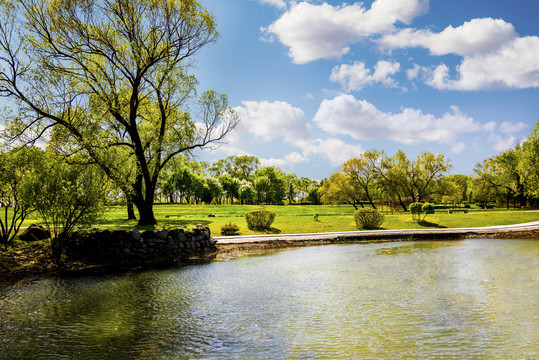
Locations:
{"points": [[415, 210], [230, 229], [269, 184], [367, 218], [16, 169], [114, 84], [70, 197], [260, 219], [418, 209], [313, 196], [427, 208], [246, 191]]}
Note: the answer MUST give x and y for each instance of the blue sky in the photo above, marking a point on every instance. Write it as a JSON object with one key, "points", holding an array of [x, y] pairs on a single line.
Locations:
{"points": [[316, 83]]}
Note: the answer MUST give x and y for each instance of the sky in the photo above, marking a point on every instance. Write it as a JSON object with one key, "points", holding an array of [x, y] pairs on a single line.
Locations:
{"points": [[318, 82]]}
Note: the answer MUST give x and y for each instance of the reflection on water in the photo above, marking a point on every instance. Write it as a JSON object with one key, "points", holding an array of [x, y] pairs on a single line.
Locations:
{"points": [[463, 299]]}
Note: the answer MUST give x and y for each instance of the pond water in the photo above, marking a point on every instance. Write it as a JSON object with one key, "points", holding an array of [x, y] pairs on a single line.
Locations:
{"points": [[439, 299]]}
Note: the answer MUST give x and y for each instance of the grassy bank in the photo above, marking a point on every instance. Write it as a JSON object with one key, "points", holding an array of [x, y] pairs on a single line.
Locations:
{"points": [[300, 218], [28, 260]]}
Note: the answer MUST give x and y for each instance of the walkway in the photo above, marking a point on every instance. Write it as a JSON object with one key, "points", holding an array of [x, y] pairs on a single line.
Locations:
{"points": [[382, 234]]}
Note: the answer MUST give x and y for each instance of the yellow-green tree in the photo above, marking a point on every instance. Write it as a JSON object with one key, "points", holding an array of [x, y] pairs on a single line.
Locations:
{"points": [[109, 80]]}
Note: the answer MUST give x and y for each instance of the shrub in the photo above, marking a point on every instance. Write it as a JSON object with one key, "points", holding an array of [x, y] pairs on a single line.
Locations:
{"points": [[427, 208], [415, 209], [419, 208], [260, 219], [230, 229], [368, 218]]}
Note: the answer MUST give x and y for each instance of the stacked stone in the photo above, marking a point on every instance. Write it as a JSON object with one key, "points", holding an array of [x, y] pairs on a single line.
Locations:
{"points": [[135, 248]]}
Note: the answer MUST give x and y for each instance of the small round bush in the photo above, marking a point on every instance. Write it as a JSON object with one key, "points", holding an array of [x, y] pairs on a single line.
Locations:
{"points": [[259, 219], [427, 208], [416, 209], [230, 229], [368, 219]]}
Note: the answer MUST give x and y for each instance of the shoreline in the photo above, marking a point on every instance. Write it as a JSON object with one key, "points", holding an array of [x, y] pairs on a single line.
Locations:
{"points": [[235, 246]]}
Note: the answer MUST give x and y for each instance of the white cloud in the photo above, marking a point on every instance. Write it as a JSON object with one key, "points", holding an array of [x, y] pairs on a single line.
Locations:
{"points": [[287, 163], [280, 4], [494, 56], [477, 36], [314, 32], [509, 128], [346, 115], [514, 66], [357, 76], [333, 149], [270, 120], [414, 72], [501, 144]]}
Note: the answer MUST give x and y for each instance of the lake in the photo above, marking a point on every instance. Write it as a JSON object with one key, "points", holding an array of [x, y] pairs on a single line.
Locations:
{"points": [[472, 298]]}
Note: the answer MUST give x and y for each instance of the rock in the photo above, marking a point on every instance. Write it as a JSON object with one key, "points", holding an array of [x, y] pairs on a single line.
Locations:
{"points": [[161, 234], [182, 237], [134, 234], [147, 234], [35, 232]]}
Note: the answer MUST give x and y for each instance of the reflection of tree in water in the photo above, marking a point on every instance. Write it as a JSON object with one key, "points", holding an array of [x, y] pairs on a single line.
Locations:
{"points": [[115, 317], [417, 246]]}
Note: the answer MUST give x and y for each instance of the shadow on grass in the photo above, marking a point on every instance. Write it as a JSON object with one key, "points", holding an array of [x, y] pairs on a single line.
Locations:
{"points": [[270, 231], [432, 225], [162, 224]]}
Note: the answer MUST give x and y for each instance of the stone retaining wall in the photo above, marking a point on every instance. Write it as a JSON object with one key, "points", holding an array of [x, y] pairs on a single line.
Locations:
{"points": [[128, 248]]}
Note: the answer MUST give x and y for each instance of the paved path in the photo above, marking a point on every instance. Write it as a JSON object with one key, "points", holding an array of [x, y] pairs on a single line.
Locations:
{"points": [[381, 234]]}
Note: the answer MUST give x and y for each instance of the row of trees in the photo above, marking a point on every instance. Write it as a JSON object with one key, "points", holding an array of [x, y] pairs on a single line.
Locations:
{"points": [[234, 179], [376, 176], [510, 178]]}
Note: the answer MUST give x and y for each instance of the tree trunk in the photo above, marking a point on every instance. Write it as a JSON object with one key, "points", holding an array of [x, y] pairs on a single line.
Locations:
{"points": [[130, 210], [370, 199], [145, 210], [144, 202], [402, 203]]}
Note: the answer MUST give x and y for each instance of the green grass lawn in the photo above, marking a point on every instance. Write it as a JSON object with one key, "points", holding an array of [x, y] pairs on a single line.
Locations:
{"points": [[299, 218]]}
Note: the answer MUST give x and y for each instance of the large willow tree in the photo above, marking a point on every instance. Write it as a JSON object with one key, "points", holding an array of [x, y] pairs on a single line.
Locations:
{"points": [[109, 81]]}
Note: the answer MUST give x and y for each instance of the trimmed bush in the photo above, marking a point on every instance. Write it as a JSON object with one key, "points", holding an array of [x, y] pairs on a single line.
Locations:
{"points": [[419, 208], [416, 209], [230, 229], [260, 219], [427, 208], [368, 219]]}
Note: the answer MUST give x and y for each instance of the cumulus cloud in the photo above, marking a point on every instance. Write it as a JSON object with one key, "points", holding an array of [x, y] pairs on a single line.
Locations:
{"points": [[346, 115], [270, 120], [494, 56], [477, 36], [287, 163], [314, 32], [357, 76], [509, 127], [333, 149], [514, 66], [502, 143]]}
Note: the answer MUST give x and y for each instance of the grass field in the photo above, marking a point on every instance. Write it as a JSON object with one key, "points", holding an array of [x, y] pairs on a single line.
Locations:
{"points": [[300, 218]]}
